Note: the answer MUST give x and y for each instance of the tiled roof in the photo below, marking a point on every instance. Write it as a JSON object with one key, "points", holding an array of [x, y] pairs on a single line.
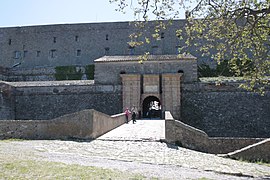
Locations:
{"points": [[150, 58]]}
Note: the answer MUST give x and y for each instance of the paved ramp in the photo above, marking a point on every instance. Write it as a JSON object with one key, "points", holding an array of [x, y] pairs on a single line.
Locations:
{"points": [[142, 130]]}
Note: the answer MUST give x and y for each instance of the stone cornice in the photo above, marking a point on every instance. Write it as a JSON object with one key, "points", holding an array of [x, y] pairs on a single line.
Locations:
{"points": [[150, 58]]}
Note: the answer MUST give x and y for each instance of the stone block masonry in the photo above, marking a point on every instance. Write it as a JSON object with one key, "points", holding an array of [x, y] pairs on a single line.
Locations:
{"points": [[226, 111], [48, 100], [80, 44], [7, 101], [86, 125], [189, 137]]}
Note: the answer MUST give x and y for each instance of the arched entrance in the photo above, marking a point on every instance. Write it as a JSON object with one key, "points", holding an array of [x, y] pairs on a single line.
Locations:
{"points": [[151, 107]]}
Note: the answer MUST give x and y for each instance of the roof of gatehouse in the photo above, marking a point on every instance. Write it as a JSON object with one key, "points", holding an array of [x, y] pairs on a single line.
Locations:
{"points": [[149, 58]]}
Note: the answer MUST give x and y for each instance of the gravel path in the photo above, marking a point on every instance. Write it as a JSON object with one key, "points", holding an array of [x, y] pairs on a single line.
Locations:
{"points": [[146, 156]]}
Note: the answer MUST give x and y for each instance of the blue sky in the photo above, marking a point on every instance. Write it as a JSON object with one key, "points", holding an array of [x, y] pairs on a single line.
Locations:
{"points": [[39, 12]]}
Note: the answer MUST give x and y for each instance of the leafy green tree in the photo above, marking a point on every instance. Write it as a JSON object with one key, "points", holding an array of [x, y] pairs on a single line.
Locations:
{"points": [[234, 30]]}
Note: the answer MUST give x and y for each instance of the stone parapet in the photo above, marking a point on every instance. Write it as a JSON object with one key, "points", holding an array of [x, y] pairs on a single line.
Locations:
{"points": [[48, 100], [196, 139], [86, 124]]}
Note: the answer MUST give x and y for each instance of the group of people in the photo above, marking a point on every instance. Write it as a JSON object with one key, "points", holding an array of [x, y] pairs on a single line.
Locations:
{"points": [[133, 113]]}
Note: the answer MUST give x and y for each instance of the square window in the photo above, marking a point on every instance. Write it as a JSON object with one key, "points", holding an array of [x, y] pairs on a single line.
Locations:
{"points": [[38, 53], [53, 53], [25, 53], [78, 53], [107, 50]]}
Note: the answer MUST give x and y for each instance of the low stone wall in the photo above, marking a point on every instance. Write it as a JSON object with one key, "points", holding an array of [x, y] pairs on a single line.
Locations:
{"points": [[189, 137], [221, 145], [184, 135], [254, 152], [86, 124], [103, 123]]}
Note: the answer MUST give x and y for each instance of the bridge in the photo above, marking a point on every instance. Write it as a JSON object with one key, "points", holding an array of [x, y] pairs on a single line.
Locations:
{"points": [[142, 130]]}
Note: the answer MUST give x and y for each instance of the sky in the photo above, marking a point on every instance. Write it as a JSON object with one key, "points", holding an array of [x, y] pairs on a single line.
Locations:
{"points": [[42, 12]]}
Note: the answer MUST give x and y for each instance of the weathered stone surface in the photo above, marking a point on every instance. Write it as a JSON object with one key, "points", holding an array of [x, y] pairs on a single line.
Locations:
{"points": [[226, 111], [32, 46], [255, 152], [48, 100], [154, 65], [189, 137], [86, 124], [7, 101]]}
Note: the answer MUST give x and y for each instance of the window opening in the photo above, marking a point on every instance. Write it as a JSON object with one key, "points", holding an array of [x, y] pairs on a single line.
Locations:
{"points": [[162, 35], [38, 53], [131, 50], [53, 53], [107, 49], [25, 53], [78, 53]]}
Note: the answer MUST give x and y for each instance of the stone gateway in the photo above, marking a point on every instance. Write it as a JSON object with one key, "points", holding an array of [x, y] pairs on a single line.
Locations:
{"points": [[156, 80]]}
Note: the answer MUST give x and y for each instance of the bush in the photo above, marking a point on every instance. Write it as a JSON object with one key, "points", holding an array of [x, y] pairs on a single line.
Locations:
{"points": [[67, 73], [222, 69]]}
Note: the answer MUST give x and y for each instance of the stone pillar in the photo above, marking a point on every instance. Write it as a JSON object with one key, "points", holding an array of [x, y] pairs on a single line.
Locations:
{"points": [[171, 94], [131, 89]]}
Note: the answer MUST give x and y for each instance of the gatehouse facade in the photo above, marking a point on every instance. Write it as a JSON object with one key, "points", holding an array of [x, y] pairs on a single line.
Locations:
{"points": [[153, 86]]}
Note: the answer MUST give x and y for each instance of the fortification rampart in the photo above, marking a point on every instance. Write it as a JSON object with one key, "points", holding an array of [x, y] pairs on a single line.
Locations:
{"points": [[81, 44], [187, 136], [7, 101], [48, 100], [226, 110], [220, 111], [86, 124]]}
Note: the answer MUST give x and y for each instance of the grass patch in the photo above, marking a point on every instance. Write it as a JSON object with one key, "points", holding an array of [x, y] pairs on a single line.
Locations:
{"points": [[29, 169], [11, 140], [260, 162], [263, 163]]}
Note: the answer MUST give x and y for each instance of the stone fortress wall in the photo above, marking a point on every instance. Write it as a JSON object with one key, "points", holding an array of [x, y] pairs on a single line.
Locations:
{"points": [[48, 100], [219, 111], [79, 44]]}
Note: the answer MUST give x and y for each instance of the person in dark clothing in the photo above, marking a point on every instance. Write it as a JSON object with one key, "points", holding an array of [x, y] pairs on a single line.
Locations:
{"points": [[133, 117]]}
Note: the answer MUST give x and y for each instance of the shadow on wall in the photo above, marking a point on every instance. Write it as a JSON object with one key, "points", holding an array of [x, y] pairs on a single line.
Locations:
{"points": [[189, 137], [83, 125]]}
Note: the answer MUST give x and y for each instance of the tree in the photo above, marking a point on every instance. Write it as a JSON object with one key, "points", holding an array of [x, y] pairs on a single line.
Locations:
{"points": [[235, 30]]}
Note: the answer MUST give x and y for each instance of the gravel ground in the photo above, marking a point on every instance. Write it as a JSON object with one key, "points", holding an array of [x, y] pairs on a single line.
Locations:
{"points": [[146, 156]]}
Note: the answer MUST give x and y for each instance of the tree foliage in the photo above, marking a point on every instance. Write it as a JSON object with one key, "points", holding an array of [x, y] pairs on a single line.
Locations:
{"points": [[235, 30]]}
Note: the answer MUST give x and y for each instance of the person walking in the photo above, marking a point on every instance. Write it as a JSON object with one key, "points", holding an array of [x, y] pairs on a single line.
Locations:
{"points": [[127, 112], [133, 117]]}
